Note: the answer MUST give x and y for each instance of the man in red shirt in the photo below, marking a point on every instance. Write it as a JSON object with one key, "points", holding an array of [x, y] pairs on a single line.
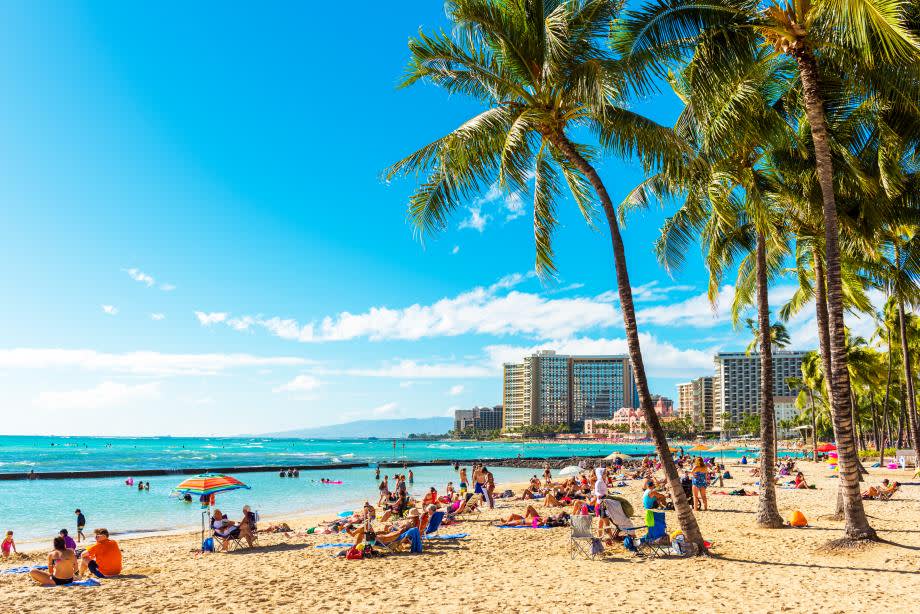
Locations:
{"points": [[102, 558]]}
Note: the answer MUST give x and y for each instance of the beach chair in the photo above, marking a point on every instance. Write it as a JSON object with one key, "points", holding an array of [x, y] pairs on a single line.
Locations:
{"points": [[434, 524], [619, 519], [582, 536], [656, 541]]}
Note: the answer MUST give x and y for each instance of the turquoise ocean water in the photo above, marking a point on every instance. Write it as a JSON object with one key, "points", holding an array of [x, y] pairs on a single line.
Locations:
{"points": [[37, 509]]}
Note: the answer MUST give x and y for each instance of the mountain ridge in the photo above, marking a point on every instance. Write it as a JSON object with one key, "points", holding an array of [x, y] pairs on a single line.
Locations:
{"points": [[383, 429]]}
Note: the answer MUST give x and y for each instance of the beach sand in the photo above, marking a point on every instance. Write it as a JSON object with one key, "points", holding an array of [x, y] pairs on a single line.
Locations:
{"points": [[501, 570]]}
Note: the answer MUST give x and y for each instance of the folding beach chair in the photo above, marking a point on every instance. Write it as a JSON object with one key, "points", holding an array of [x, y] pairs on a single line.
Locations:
{"points": [[656, 540], [582, 536], [434, 523]]}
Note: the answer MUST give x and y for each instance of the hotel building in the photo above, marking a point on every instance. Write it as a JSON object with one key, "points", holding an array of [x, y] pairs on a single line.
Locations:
{"points": [[736, 386], [550, 388]]}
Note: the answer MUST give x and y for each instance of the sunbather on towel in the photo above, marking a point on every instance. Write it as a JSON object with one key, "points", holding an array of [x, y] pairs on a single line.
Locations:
{"points": [[515, 520]]}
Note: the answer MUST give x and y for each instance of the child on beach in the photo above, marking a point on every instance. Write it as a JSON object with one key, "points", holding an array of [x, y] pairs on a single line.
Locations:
{"points": [[81, 522], [8, 544]]}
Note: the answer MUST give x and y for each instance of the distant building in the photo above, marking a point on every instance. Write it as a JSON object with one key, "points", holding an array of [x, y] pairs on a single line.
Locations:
{"points": [[663, 405], [550, 388], [736, 387], [478, 418], [695, 402], [784, 409]]}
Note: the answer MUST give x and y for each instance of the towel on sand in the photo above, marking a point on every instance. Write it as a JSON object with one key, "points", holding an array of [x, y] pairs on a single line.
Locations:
{"points": [[23, 569], [522, 526], [454, 536], [342, 545], [83, 583]]}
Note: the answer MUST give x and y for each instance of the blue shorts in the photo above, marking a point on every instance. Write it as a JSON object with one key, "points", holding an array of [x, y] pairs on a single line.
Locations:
{"points": [[478, 489]]}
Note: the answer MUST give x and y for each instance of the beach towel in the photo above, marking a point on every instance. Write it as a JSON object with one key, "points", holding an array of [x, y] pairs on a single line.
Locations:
{"points": [[415, 539], [81, 583], [342, 545], [454, 536], [522, 526], [23, 569], [614, 511]]}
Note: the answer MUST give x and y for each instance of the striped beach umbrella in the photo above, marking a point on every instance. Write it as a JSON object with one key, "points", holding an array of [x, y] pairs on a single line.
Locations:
{"points": [[206, 485], [209, 483]]}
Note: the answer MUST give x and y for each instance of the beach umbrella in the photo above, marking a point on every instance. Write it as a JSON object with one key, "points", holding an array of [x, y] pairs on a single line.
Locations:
{"points": [[699, 448], [206, 485], [570, 470], [617, 455], [826, 447], [209, 484]]}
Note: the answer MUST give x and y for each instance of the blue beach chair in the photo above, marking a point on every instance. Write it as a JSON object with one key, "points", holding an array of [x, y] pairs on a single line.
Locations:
{"points": [[656, 541], [433, 525]]}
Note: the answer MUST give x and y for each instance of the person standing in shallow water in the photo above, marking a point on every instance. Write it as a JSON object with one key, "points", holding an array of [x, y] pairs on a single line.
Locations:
{"points": [[463, 481]]}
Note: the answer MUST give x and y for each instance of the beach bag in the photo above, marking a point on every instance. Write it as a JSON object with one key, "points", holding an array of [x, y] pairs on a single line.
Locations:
{"points": [[354, 554], [208, 545], [797, 519], [629, 543], [596, 546]]}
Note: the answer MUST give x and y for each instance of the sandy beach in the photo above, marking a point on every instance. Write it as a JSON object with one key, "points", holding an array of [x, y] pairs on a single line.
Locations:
{"points": [[750, 570]]}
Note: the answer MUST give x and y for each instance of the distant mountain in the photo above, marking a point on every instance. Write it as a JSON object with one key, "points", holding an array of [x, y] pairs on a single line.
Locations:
{"points": [[383, 429]]}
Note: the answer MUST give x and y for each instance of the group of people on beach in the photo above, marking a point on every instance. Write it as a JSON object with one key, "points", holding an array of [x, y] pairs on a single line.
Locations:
{"points": [[67, 563]]}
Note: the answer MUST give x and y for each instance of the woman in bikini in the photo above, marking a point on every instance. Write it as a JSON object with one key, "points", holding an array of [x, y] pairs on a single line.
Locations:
{"points": [[62, 566]]}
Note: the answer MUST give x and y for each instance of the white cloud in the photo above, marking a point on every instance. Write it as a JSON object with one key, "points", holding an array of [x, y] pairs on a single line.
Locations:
{"points": [[206, 319], [138, 363], [241, 324], [456, 250], [514, 207], [301, 383], [138, 275], [455, 390], [112, 310], [167, 287], [653, 291], [409, 369], [107, 394], [491, 310], [476, 221], [385, 409], [158, 316]]}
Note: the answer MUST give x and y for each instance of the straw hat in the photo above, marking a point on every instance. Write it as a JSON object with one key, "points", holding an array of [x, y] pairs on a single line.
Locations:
{"points": [[413, 513]]}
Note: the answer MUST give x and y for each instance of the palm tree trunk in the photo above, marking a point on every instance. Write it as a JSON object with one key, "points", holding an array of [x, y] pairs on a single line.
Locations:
{"points": [[908, 376], [824, 343], [767, 512], [881, 451], [856, 525], [814, 426], [685, 515]]}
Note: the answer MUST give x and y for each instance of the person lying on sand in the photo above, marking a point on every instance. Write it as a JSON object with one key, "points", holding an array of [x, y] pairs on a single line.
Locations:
{"points": [[515, 520]]}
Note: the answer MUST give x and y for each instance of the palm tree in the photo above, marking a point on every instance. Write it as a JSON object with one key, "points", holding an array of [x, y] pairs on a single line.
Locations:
{"points": [[538, 68], [725, 201], [868, 38], [779, 335]]}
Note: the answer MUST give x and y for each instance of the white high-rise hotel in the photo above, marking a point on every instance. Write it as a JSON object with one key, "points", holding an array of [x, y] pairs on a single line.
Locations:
{"points": [[736, 386], [550, 388]]}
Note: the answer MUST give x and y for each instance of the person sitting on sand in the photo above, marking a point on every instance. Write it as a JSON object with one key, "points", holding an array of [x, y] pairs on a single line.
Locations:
{"points": [[800, 481], [248, 525], [8, 544], [651, 498], [103, 558], [68, 540], [62, 566]]}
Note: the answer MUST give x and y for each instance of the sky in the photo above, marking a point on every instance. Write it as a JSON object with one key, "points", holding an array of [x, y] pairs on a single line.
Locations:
{"points": [[196, 238]]}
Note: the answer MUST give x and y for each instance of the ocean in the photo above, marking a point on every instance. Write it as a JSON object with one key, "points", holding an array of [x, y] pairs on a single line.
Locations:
{"points": [[37, 509]]}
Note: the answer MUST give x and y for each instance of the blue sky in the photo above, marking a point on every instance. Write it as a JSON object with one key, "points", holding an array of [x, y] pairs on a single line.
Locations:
{"points": [[196, 239]]}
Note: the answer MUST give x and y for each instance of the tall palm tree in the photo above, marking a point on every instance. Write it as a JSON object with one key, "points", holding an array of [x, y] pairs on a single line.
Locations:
{"points": [[725, 201], [542, 70], [868, 38]]}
